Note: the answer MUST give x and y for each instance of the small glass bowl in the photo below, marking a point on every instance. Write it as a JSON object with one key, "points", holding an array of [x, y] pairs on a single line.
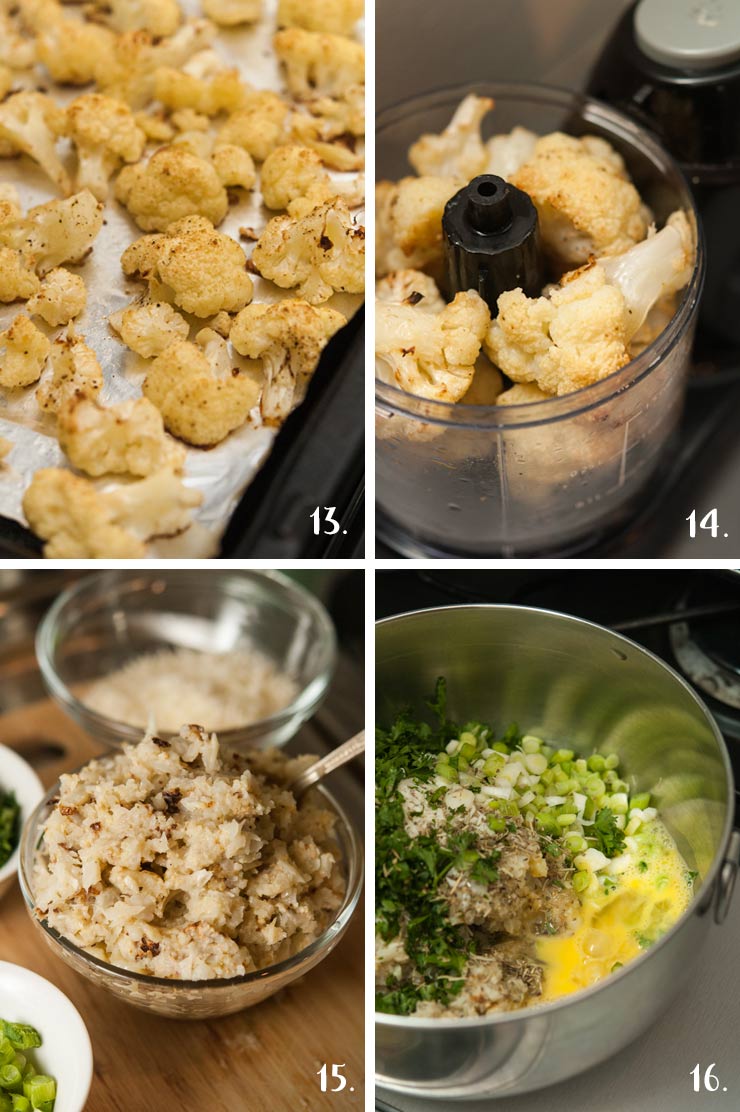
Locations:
{"points": [[109, 618], [195, 999]]}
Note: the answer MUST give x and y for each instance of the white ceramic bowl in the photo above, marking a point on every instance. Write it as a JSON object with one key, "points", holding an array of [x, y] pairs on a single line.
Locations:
{"points": [[66, 1053], [16, 775]]}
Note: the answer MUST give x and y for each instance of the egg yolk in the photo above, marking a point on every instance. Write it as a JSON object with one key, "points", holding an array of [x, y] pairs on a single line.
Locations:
{"points": [[649, 889]]}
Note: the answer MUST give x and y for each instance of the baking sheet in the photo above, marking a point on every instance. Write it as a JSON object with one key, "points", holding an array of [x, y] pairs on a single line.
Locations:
{"points": [[222, 473]]}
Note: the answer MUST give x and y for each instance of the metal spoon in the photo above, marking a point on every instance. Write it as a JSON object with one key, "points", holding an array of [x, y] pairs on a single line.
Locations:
{"points": [[321, 768]]}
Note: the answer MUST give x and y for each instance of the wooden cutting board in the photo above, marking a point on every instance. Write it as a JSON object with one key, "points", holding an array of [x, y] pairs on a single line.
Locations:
{"points": [[264, 1059]]}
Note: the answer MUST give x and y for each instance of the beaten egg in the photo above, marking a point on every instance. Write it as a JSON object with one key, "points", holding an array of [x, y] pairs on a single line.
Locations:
{"points": [[647, 889]]}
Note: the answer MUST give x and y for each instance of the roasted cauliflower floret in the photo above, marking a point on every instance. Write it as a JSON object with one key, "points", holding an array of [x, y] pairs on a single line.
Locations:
{"points": [[128, 438], [291, 173], [319, 253], [234, 166], [172, 185], [75, 520], [288, 337], [653, 270], [23, 353], [586, 203], [61, 297], [7, 77], [17, 281], [137, 57], [408, 222], [74, 52], [159, 17], [332, 126], [581, 333], [410, 287], [105, 134], [57, 232], [202, 397], [149, 329], [337, 17], [507, 152], [78, 522], [16, 51], [572, 339], [75, 371], [431, 355], [522, 393], [319, 64], [459, 150], [230, 13], [222, 91], [202, 270], [31, 123], [259, 126]]}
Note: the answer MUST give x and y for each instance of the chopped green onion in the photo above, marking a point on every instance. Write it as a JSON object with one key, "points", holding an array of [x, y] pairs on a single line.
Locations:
{"points": [[581, 880], [640, 801]]}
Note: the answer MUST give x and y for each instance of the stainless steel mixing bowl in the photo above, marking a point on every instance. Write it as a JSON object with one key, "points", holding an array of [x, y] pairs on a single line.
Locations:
{"points": [[586, 687]]}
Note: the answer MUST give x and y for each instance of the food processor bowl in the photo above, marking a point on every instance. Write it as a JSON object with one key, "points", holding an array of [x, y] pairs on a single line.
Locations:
{"points": [[552, 477]]}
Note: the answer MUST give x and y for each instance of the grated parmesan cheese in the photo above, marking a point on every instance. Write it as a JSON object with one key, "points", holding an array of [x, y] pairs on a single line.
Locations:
{"points": [[221, 691]]}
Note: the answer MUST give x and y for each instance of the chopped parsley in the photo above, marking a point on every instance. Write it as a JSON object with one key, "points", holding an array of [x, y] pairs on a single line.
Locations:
{"points": [[9, 825], [409, 871], [609, 838]]}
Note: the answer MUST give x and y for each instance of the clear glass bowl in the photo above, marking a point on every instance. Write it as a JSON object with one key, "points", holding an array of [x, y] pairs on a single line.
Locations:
{"points": [[108, 618], [556, 476], [195, 999]]}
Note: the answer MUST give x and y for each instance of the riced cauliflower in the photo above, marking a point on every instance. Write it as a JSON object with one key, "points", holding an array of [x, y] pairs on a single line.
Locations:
{"points": [[23, 353], [259, 126], [56, 232], [31, 123], [318, 253], [318, 63], [77, 521], [585, 202], [75, 371], [200, 269], [230, 13], [288, 337], [202, 397], [128, 438], [213, 868], [431, 354], [173, 184], [149, 329], [458, 151], [408, 228], [17, 281], [292, 173], [60, 298], [338, 17], [105, 134]]}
